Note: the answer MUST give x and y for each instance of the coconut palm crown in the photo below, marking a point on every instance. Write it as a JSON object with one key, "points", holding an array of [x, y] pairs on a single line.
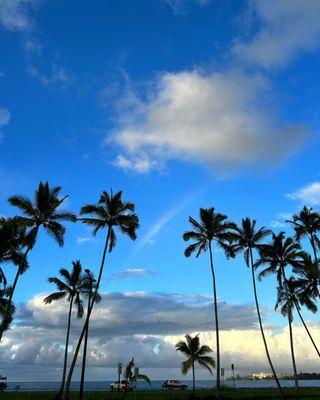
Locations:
{"points": [[213, 227], [70, 288], [247, 237], [307, 224], [111, 212], [282, 252], [43, 211]]}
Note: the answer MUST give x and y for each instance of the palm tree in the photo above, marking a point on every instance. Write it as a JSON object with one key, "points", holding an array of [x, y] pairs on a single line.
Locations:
{"points": [[43, 211], [195, 353], [69, 288], [132, 375], [213, 227], [281, 253], [6, 308], [109, 213], [87, 287], [12, 240], [309, 279], [247, 238], [307, 224], [305, 290]]}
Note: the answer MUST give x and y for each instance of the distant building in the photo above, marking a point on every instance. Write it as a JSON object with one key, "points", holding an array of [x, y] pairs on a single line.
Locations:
{"points": [[260, 376]]}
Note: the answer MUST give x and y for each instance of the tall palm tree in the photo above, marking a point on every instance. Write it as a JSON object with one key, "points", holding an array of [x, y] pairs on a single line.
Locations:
{"points": [[69, 288], [88, 286], [280, 254], [109, 213], [43, 211], [307, 224], [247, 238], [195, 353], [212, 228]]}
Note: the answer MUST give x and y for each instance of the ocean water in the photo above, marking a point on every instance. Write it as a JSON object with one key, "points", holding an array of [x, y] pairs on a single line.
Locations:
{"points": [[156, 385]]}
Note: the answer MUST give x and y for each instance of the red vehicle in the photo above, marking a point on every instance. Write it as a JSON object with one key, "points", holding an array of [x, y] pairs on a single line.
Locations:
{"points": [[3, 383]]}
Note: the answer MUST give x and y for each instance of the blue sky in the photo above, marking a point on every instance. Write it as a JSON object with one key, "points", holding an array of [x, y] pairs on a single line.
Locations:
{"points": [[182, 104]]}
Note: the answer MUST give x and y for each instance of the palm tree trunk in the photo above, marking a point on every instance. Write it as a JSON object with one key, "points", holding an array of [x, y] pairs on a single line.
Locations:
{"points": [[306, 328], [83, 369], [216, 319], [15, 282], [313, 245], [295, 374], [193, 379], [261, 326], [76, 353], [296, 384], [64, 372]]}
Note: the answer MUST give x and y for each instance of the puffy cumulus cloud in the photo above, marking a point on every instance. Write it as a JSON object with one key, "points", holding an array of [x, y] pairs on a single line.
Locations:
{"points": [[119, 330], [309, 194], [223, 120], [141, 164], [34, 347], [15, 15], [163, 313], [287, 28], [245, 348], [5, 116]]}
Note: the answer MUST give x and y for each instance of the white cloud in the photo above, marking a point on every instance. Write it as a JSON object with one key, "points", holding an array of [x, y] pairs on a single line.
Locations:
{"points": [[309, 194], [119, 330], [223, 120], [84, 239], [141, 164], [133, 272], [15, 14], [57, 76], [280, 221], [5, 116], [288, 27]]}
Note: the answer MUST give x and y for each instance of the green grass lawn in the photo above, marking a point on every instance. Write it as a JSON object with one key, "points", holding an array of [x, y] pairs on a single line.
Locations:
{"points": [[244, 394]]}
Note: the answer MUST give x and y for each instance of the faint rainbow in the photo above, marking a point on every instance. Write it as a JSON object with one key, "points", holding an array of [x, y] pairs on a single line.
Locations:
{"points": [[167, 217]]}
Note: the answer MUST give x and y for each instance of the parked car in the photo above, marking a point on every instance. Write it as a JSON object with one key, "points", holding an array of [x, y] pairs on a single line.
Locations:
{"points": [[122, 386], [174, 384]]}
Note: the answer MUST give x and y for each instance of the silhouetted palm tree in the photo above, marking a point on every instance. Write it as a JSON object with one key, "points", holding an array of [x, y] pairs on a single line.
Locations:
{"points": [[131, 376], [69, 288], [195, 353], [43, 211], [88, 287], [111, 212], [307, 224], [281, 253], [7, 308], [309, 279], [247, 239], [12, 241], [305, 290], [213, 227]]}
